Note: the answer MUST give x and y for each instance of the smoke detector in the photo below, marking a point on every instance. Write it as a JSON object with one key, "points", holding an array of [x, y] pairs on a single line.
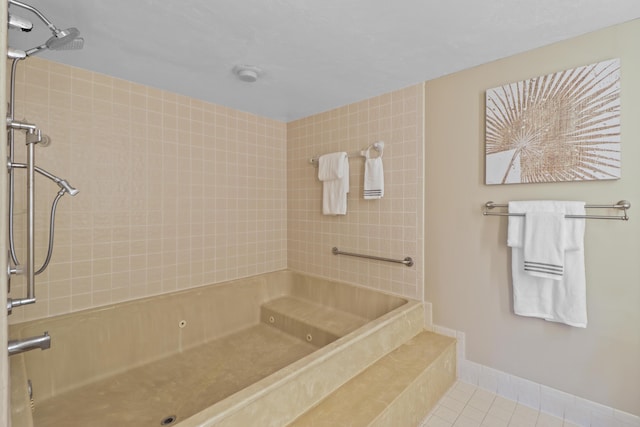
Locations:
{"points": [[247, 73]]}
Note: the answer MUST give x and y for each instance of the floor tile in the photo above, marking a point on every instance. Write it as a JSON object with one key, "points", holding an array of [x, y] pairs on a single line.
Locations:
{"points": [[436, 421], [466, 405], [492, 421]]}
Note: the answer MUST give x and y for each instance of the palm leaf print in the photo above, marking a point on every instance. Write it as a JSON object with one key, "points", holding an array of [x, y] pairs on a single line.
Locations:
{"points": [[559, 127]]}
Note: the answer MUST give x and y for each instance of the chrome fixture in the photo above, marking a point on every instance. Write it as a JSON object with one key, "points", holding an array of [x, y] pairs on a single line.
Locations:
{"points": [[61, 39], [16, 54], [19, 23], [68, 39], [407, 261], [378, 146], [622, 205], [42, 342]]}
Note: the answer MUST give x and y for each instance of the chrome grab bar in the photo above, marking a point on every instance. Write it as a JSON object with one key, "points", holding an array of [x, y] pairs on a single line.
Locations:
{"points": [[42, 342], [408, 261]]}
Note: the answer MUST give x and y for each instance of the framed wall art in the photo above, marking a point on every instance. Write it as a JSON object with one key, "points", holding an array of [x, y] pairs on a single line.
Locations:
{"points": [[559, 127]]}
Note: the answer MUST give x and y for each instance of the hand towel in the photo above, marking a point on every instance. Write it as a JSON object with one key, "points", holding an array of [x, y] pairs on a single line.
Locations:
{"points": [[544, 244], [333, 171], [373, 178], [553, 300]]}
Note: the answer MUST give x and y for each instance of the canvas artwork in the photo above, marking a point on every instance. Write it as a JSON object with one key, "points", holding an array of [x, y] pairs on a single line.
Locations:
{"points": [[559, 127]]}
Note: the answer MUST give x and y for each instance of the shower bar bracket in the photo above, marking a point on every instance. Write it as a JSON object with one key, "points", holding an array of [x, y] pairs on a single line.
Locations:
{"points": [[12, 302], [408, 261], [622, 205], [15, 124]]}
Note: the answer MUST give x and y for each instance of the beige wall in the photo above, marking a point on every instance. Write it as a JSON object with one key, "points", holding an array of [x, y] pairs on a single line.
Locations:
{"points": [[467, 272], [174, 192], [390, 227]]}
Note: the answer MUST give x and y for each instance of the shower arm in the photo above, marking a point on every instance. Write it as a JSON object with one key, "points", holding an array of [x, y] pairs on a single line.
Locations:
{"points": [[62, 183], [39, 14]]}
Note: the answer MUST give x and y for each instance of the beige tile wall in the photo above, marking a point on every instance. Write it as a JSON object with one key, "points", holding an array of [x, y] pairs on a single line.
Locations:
{"points": [[390, 227], [174, 192]]}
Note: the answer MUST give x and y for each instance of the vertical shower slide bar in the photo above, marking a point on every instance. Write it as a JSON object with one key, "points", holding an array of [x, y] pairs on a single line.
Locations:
{"points": [[33, 137], [30, 271]]}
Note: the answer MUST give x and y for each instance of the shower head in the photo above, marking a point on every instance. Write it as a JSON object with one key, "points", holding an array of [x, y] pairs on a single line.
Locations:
{"points": [[63, 40], [66, 40]]}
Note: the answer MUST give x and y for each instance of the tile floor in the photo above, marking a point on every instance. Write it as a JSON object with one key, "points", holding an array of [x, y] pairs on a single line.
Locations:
{"points": [[466, 405]]}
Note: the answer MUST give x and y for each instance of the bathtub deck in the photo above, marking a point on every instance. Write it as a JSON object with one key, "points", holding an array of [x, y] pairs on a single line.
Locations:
{"points": [[179, 385]]}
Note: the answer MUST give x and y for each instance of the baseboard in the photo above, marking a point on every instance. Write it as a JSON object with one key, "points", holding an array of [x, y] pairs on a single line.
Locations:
{"points": [[577, 410]]}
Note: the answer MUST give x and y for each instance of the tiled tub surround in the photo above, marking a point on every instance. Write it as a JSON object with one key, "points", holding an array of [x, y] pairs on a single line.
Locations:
{"points": [[175, 192], [150, 348]]}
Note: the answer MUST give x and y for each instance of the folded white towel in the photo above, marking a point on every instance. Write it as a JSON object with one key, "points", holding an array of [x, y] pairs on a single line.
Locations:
{"points": [[333, 171], [373, 178], [574, 230], [544, 244], [554, 300], [331, 166]]}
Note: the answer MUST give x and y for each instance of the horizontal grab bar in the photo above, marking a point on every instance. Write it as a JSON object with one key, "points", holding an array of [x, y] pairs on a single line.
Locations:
{"points": [[408, 261]]}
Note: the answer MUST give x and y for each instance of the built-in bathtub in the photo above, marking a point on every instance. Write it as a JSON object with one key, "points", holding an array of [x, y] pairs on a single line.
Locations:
{"points": [[254, 351]]}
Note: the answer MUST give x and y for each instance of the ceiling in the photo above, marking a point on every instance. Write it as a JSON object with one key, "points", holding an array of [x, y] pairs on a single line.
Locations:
{"points": [[313, 55]]}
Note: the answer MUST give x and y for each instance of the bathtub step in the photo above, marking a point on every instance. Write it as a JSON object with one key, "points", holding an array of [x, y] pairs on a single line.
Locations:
{"points": [[399, 389], [318, 324]]}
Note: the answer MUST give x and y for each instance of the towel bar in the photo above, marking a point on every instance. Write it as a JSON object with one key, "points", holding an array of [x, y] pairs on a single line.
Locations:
{"points": [[408, 261], [378, 146], [622, 204]]}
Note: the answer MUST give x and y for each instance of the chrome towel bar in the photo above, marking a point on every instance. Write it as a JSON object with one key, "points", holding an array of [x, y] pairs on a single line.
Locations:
{"points": [[622, 205], [378, 146], [408, 261]]}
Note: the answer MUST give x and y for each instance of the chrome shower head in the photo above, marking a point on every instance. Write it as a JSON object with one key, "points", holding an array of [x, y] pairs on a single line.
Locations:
{"points": [[63, 40], [66, 40]]}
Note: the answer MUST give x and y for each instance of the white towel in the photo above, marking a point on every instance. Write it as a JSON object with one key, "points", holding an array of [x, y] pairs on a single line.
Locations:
{"points": [[333, 171], [553, 300], [373, 178], [544, 244]]}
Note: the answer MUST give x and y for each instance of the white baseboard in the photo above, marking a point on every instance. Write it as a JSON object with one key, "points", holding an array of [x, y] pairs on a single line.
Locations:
{"points": [[563, 405]]}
